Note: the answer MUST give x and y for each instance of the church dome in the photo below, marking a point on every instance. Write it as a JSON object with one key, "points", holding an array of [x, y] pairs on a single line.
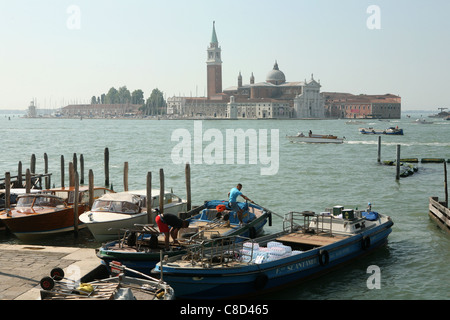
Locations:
{"points": [[276, 76]]}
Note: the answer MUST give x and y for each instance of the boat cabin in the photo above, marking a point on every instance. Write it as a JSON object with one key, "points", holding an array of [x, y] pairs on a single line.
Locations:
{"points": [[119, 203], [67, 193]]}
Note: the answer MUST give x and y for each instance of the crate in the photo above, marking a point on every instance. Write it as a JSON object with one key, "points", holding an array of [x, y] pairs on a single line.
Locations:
{"points": [[337, 210], [348, 214]]}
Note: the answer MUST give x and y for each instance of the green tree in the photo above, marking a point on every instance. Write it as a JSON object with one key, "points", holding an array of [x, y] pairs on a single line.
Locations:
{"points": [[112, 96], [137, 97], [155, 104], [93, 100], [124, 95]]}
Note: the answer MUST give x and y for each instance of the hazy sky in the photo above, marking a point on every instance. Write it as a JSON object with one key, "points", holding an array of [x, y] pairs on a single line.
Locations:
{"points": [[61, 52]]}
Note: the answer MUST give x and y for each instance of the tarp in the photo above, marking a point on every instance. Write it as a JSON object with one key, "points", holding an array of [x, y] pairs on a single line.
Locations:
{"points": [[371, 216]]}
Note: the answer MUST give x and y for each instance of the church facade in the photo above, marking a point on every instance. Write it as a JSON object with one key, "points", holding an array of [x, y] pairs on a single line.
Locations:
{"points": [[274, 98]]}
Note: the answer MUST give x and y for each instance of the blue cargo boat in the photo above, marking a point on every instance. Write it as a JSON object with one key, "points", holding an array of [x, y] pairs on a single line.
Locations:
{"points": [[139, 248], [233, 270]]}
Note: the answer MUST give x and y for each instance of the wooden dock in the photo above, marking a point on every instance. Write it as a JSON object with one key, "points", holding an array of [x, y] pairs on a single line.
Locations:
{"points": [[439, 213]]}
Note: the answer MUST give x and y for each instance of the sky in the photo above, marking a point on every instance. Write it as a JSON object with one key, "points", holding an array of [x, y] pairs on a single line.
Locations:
{"points": [[58, 52]]}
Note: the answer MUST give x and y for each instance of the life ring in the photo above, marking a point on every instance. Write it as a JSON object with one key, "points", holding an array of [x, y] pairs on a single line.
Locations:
{"points": [[324, 257], [252, 232], [365, 244], [220, 207], [260, 281]]}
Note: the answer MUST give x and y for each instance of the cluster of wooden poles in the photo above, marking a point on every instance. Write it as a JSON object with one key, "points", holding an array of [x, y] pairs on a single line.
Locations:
{"points": [[76, 179]]}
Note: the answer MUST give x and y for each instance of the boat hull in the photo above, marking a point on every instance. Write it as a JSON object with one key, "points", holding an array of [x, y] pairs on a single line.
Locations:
{"points": [[386, 132], [39, 225], [255, 279], [114, 227], [145, 261], [107, 230], [316, 139]]}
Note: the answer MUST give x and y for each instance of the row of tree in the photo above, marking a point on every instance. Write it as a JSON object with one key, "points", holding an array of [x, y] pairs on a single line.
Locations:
{"points": [[154, 105]]}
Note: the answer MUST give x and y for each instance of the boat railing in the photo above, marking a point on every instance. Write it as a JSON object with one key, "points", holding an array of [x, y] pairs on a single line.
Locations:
{"points": [[302, 220], [220, 251]]}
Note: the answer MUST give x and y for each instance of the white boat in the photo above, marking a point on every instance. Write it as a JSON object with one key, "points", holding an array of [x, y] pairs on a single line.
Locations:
{"points": [[315, 138], [113, 213], [422, 121]]}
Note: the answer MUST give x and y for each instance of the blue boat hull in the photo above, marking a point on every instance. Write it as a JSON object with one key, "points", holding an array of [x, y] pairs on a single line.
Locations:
{"points": [[144, 262], [256, 279]]}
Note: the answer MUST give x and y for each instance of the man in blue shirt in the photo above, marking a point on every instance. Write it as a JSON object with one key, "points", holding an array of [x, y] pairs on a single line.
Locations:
{"points": [[233, 194]]}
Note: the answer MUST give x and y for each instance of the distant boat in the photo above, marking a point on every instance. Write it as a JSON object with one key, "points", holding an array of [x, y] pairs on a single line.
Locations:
{"points": [[388, 131], [355, 122], [422, 121], [315, 138]]}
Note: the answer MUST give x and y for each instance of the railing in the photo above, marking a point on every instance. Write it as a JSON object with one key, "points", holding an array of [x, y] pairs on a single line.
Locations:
{"points": [[302, 220], [219, 251]]}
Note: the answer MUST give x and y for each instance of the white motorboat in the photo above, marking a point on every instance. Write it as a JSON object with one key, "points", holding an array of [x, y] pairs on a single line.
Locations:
{"points": [[112, 214], [422, 121], [315, 138]]}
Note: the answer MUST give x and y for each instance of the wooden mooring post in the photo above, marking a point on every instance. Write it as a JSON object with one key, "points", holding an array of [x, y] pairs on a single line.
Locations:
{"points": [[445, 185], [188, 186], [33, 164], [81, 169], [7, 190], [161, 191], [150, 215], [106, 157], [379, 150], [62, 171], [75, 204], [125, 176], [91, 188], [397, 164]]}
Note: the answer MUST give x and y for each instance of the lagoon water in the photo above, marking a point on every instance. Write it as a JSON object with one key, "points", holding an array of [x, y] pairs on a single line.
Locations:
{"points": [[414, 264]]}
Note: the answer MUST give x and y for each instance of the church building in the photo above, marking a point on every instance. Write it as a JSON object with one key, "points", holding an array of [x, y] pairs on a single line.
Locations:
{"points": [[274, 98]]}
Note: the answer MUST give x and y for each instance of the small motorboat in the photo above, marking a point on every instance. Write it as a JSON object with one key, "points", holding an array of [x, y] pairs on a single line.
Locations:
{"points": [[13, 194], [315, 138], [141, 245], [47, 213], [388, 131], [309, 245], [422, 121], [113, 213]]}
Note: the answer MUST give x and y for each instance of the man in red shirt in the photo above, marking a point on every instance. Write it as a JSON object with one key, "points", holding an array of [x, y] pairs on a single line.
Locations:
{"points": [[170, 224]]}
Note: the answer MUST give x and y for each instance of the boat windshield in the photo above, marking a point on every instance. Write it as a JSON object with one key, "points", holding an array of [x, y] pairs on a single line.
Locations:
{"points": [[115, 206], [41, 201]]}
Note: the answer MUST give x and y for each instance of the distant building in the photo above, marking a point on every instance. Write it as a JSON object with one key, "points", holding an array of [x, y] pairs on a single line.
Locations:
{"points": [[273, 98], [347, 105], [32, 111], [101, 110]]}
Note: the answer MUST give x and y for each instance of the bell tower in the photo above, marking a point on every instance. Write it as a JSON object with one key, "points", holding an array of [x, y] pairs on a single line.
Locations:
{"points": [[214, 66]]}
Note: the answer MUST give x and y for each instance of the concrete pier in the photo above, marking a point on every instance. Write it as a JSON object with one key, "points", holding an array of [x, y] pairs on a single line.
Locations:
{"points": [[23, 266]]}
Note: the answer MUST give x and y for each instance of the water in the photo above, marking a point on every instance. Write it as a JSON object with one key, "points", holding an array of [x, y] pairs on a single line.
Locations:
{"points": [[414, 265]]}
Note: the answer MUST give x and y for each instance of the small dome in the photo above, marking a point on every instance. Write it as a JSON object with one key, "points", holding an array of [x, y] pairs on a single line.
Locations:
{"points": [[276, 76]]}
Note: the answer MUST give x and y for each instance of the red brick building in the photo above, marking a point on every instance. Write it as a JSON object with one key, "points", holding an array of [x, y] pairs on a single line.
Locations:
{"points": [[347, 105]]}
